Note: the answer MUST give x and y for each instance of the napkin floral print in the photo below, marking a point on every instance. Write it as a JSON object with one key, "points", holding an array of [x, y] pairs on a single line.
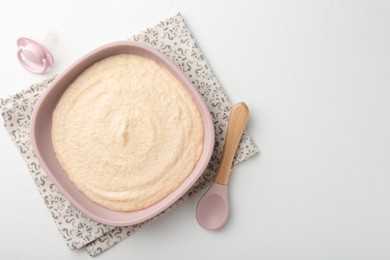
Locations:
{"points": [[173, 38]]}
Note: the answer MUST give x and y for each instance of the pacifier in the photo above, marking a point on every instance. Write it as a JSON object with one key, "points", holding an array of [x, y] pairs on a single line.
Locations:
{"points": [[33, 56]]}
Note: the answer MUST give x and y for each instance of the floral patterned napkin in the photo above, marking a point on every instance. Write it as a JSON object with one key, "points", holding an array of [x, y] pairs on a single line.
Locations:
{"points": [[173, 38]]}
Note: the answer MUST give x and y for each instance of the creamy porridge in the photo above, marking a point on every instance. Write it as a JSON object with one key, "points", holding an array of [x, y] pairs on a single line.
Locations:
{"points": [[126, 132]]}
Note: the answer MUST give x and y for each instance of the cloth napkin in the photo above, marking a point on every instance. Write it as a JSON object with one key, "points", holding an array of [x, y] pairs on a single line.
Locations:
{"points": [[173, 38]]}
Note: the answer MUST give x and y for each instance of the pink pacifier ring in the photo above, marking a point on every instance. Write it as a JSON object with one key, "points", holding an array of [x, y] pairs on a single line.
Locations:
{"points": [[35, 53]]}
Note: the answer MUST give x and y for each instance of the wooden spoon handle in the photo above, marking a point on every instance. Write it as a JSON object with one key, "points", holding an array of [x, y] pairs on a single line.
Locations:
{"points": [[237, 121]]}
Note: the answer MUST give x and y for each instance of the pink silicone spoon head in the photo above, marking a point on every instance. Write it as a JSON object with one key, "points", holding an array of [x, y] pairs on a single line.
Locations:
{"points": [[213, 209]]}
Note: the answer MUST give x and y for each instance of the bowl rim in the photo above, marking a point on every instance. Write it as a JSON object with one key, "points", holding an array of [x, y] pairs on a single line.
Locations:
{"points": [[153, 210]]}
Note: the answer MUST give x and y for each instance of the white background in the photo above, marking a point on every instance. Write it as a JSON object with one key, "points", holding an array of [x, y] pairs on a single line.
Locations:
{"points": [[316, 77]]}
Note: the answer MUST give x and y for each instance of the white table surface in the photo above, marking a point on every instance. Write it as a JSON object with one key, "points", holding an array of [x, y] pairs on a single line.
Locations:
{"points": [[316, 77]]}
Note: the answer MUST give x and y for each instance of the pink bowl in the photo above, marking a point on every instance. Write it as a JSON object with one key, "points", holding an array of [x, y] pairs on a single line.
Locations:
{"points": [[43, 148]]}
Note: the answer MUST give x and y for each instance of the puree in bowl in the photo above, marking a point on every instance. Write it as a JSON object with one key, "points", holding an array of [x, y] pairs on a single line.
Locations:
{"points": [[127, 132]]}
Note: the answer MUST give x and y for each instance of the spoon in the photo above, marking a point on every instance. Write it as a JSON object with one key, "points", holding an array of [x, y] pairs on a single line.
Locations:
{"points": [[213, 208]]}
